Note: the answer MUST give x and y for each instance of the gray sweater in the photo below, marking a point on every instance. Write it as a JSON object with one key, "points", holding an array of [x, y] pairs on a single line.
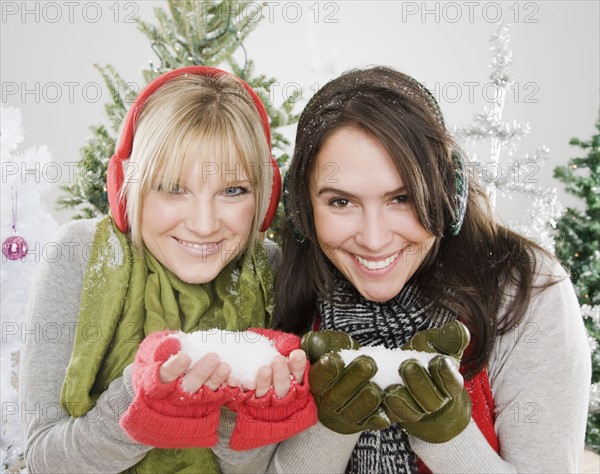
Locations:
{"points": [[539, 375]]}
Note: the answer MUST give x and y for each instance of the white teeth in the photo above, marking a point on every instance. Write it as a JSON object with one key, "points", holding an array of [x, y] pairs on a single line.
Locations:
{"points": [[376, 265], [204, 247]]}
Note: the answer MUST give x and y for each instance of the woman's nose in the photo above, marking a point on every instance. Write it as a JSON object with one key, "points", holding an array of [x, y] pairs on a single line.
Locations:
{"points": [[202, 217], [374, 232]]}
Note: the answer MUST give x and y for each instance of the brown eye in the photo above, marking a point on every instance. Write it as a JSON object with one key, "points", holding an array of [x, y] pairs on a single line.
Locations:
{"points": [[340, 202]]}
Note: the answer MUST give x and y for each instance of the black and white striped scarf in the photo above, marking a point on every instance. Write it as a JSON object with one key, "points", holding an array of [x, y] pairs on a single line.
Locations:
{"points": [[390, 324]]}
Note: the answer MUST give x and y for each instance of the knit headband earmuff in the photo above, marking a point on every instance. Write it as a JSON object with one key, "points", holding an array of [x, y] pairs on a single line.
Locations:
{"points": [[115, 174], [461, 178]]}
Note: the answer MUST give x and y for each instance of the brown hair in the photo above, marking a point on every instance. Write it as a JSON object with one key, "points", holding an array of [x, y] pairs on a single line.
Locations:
{"points": [[468, 273]]}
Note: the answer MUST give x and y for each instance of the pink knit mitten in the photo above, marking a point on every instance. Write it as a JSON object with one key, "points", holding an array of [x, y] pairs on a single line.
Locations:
{"points": [[162, 414], [268, 419]]}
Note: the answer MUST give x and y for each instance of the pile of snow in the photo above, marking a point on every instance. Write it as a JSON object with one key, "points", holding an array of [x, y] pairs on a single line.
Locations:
{"points": [[244, 351], [388, 362]]}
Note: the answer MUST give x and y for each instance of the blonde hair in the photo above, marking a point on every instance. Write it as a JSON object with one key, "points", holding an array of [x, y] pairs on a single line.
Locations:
{"points": [[186, 112]]}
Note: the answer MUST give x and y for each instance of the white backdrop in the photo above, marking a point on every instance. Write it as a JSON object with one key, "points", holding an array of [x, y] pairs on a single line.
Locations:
{"points": [[48, 50]]}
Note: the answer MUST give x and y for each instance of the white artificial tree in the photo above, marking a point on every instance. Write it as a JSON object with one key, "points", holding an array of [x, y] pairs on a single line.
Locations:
{"points": [[26, 176], [499, 169]]}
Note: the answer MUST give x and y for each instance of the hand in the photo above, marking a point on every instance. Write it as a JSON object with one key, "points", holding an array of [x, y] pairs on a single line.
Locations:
{"points": [[280, 374], [433, 406], [209, 371], [347, 400], [317, 343], [281, 405], [167, 415]]}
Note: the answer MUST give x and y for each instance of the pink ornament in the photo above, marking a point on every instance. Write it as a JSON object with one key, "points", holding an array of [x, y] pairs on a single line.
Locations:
{"points": [[15, 247]]}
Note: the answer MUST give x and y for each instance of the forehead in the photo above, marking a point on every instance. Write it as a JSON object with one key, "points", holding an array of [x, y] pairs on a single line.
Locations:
{"points": [[352, 158], [210, 156]]}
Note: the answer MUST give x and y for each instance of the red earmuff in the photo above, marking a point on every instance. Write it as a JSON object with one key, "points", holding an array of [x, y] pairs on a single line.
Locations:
{"points": [[115, 175]]}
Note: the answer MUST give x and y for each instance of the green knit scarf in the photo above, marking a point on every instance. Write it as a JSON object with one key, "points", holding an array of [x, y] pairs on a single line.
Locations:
{"points": [[126, 295]]}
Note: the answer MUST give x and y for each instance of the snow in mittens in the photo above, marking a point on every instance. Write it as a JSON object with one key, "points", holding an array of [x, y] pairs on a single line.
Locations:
{"points": [[388, 362], [244, 351]]}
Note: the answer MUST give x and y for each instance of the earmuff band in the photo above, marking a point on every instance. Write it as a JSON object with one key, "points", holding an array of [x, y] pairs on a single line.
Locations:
{"points": [[462, 192], [115, 175], [461, 178]]}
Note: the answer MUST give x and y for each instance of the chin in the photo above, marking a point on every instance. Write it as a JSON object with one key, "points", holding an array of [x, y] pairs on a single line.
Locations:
{"points": [[378, 296], [195, 278]]}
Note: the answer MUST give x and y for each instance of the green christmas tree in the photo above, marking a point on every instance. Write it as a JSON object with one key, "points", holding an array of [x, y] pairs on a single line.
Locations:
{"points": [[188, 33], [578, 247]]}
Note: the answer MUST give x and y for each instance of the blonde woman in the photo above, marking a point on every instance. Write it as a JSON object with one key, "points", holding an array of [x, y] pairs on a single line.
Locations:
{"points": [[191, 186]]}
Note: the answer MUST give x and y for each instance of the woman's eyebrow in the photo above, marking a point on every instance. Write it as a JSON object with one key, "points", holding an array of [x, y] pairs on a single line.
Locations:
{"points": [[332, 190], [237, 182], [338, 191]]}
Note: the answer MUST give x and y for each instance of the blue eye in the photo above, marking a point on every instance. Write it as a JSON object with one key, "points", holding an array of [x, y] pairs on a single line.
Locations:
{"points": [[235, 191], [174, 189]]}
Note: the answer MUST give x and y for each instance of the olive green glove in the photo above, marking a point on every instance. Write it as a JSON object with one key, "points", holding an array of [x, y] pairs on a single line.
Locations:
{"points": [[317, 343], [451, 339], [432, 405], [347, 400]]}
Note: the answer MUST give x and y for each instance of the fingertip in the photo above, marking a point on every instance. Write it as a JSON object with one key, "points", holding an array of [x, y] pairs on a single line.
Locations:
{"points": [[279, 361], [179, 360], [297, 364], [297, 354], [224, 368], [210, 360], [456, 337], [409, 367], [446, 374], [263, 381], [184, 358], [174, 367], [363, 366], [212, 357], [264, 373]]}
